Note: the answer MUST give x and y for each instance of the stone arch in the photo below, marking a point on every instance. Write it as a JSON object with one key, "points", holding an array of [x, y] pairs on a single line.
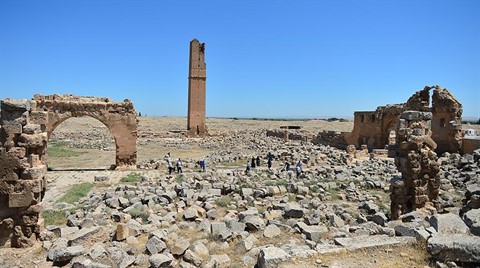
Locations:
{"points": [[119, 118], [388, 127], [105, 142]]}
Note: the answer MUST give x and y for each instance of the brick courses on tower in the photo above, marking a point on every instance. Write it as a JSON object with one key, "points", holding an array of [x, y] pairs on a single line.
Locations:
{"points": [[197, 77]]}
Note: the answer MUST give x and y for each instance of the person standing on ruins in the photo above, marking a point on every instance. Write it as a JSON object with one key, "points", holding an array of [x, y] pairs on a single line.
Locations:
{"points": [[169, 163], [298, 168], [247, 170], [286, 167], [203, 165], [179, 166], [253, 162], [270, 159], [258, 161]]}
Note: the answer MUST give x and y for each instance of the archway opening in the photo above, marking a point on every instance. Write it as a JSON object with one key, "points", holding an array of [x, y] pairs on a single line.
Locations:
{"points": [[81, 143]]}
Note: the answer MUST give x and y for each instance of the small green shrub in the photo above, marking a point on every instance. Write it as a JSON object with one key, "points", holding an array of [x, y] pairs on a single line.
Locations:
{"points": [[139, 212], [132, 177], [334, 193], [224, 201], [54, 217], [76, 192]]}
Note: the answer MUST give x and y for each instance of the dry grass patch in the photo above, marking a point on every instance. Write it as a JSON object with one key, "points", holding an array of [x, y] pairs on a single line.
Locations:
{"points": [[389, 256]]}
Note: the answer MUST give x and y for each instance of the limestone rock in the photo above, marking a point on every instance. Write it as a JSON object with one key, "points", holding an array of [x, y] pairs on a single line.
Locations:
{"points": [[271, 257], [455, 247]]}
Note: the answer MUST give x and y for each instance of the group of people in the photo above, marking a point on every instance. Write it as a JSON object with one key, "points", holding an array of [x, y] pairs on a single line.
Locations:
{"points": [[255, 162], [171, 168], [298, 167]]}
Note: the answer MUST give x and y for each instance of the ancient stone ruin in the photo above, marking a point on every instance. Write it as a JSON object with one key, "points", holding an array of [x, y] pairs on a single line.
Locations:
{"points": [[197, 76], [417, 161], [376, 129], [25, 127]]}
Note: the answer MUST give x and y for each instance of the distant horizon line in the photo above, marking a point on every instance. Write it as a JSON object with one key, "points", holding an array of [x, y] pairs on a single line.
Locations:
{"points": [[464, 118]]}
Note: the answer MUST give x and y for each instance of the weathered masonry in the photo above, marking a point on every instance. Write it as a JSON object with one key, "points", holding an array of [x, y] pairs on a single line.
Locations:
{"points": [[25, 126], [377, 129], [197, 76]]}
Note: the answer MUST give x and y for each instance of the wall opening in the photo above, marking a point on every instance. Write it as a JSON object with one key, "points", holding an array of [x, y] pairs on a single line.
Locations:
{"points": [[442, 122], [81, 143]]}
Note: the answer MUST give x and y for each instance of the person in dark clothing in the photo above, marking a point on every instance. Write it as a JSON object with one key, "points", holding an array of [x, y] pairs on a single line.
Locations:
{"points": [[287, 166], [269, 160], [258, 161], [253, 162], [179, 166]]}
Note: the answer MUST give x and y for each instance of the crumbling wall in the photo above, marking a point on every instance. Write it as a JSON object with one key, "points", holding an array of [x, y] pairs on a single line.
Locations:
{"points": [[417, 161], [446, 121], [332, 138], [22, 173], [197, 77], [373, 128], [25, 126]]}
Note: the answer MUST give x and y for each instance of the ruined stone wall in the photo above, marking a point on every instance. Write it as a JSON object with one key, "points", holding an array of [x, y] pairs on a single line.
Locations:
{"points": [[332, 138], [417, 161], [25, 126], [196, 125], [287, 135], [374, 128], [22, 173], [446, 121], [366, 130]]}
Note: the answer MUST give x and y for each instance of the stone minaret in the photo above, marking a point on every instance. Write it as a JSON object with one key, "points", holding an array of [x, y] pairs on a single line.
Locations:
{"points": [[197, 76]]}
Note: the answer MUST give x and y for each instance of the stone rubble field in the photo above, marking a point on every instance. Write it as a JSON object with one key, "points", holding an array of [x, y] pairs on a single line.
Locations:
{"points": [[335, 214]]}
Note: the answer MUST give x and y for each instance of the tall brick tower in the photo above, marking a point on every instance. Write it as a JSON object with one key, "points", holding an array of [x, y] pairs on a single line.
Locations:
{"points": [[197, 76]]}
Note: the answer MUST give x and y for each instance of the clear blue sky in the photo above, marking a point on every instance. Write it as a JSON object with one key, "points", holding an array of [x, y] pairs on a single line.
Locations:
{"points": [[264, 58]]}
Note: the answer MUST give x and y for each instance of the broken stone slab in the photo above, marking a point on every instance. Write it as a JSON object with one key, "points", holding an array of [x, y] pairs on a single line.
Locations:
{"points": [[299, 251], [192, 258], [155, 245], [190, 213], [83, 234], [220, 230], [271, 231], [353, 243], [472, 219], [247, 243], [271, 257], [218, 261], [312, 232], [121, 232], [82, 262], [160, 260], [455, 247], [200, 249], [97, 251], [62, 231], [293, 210], [179, 247], [254, 223], [65, 254], [448, 224]]}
